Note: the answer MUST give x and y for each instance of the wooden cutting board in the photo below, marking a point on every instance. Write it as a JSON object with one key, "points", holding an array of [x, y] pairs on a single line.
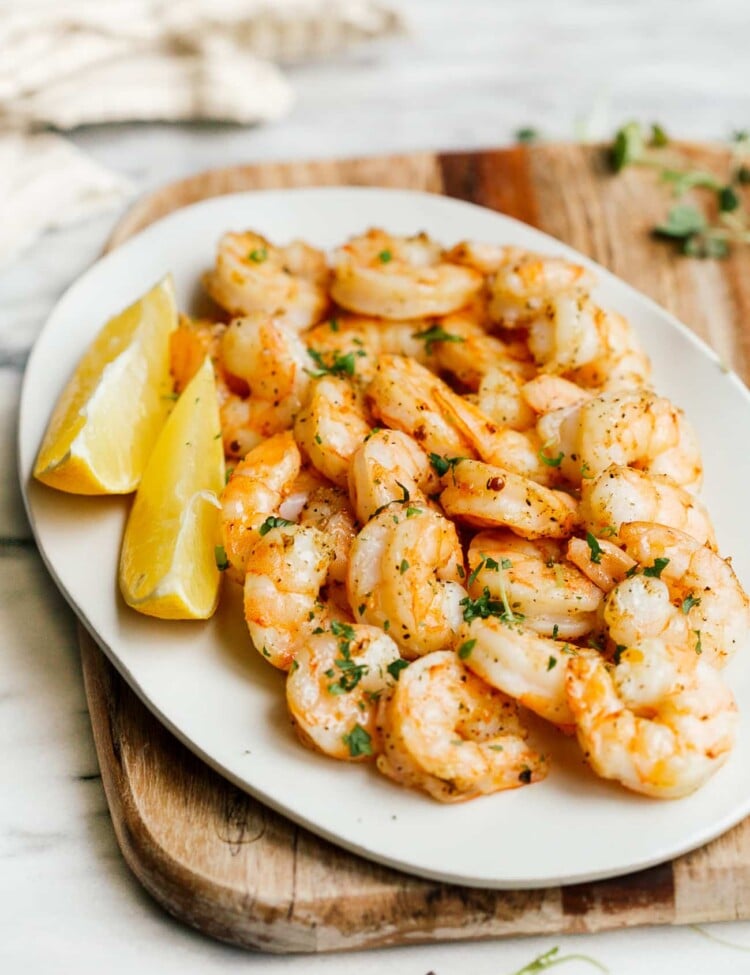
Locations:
{"points": [[219, 860]]}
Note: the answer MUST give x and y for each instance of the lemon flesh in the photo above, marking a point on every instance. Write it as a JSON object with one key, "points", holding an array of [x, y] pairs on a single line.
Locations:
{"points": [[107, 419], [168, 560]]}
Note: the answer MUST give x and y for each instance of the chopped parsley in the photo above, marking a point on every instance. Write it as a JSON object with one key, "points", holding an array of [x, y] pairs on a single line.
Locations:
{"points": [[526, 134], [395, 668], [441, 465], [595, 548], [273, 522], [436, 334], [411, 511], [654, 571], [351, 672], [688, 602], [698, 644], [385, 257], [551, 662], [340, 365], [549, 461], [465, 649], [333, 324], [358, 741], [403, 567], [222, 562], [258, 255]]}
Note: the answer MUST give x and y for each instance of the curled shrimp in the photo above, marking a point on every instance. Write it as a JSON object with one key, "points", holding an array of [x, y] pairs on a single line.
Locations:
{"points": [[522, 287], [389, 467], [632, 429], [331, 426], [446, 732], [408, 397], [251, 274], [483, 257], [334, 686], [710, 604], [256, 489], [286, 569], [545, 393], [404, 577], [661, 722], [356, 341], [621, 494], [462, 348], [400, 277], [487, 496], [601, 560], [270, 357], [327, 508], [501, 395], [620, 362], [528, 667], [553, 596]]}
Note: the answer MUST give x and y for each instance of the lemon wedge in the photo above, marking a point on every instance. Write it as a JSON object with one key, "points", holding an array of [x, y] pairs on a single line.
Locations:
{"points": [[168, 560], [107, 419]]}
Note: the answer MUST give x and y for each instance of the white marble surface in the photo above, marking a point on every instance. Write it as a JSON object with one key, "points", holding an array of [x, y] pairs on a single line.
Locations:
{"points": [[469, 75]]}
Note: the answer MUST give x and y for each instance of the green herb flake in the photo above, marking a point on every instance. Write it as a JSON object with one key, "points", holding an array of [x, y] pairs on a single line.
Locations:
{"points": [[436, 334], [333, 324], [465, 649], [551, 662], [698, 644], [549, 461], [688, 602], [403, 567], [595, 548], [294, 666], [682, 221], [411, 512], [555, 631], [659, 137], [395, 668], [222, 562], [727, 199], [358, 741], [385, 257], [526, 135], [271, 522], [441, 465], [654, 571], [258, 256], [340, 364], [628, 146]]}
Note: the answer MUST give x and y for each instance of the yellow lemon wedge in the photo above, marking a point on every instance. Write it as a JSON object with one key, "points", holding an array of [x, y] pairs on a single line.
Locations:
{"points": [[109, 415], [169, 553]]}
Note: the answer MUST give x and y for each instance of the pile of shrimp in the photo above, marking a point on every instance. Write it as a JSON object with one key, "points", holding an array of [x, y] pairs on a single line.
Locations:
{"points": [[455, 499]]}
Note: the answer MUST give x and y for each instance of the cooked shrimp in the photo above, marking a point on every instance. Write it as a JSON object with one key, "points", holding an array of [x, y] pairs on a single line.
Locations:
{"points": [[256, 489], [501, 395], [253, 275], [286, 570], [446, 732], [404, 576], [408, 397], [334, 686], [463, 349], [601, 560], [710, 600], [483, 257], [189, 344], [389, 466], [328, 509], [487, 496], [633, 429], [331, 426], [522, 287], [545, 393], [553, 597], [271, 359], [622, 494], [620, 362], [530, 668], [357, 342], [661, 723], [400, 277]]}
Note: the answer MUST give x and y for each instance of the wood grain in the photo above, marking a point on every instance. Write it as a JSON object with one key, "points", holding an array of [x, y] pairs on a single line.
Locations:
{"points": [[219, 860]]}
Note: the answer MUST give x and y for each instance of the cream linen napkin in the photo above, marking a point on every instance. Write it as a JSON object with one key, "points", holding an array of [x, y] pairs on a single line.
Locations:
{"points": [[81, 62]]}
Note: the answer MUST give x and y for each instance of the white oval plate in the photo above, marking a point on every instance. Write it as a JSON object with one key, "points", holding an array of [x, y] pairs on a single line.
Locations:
{"points": [[207, 684]]}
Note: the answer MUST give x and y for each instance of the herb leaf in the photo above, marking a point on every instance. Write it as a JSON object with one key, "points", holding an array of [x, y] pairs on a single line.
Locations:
{"points": [[222, 562], [526, 134], [395, 668], [655, 570], [340, 365], [358, 741], [594, 547], [688, 602], [273, 522], [436, 334], [682, 221], [465, 649]]}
